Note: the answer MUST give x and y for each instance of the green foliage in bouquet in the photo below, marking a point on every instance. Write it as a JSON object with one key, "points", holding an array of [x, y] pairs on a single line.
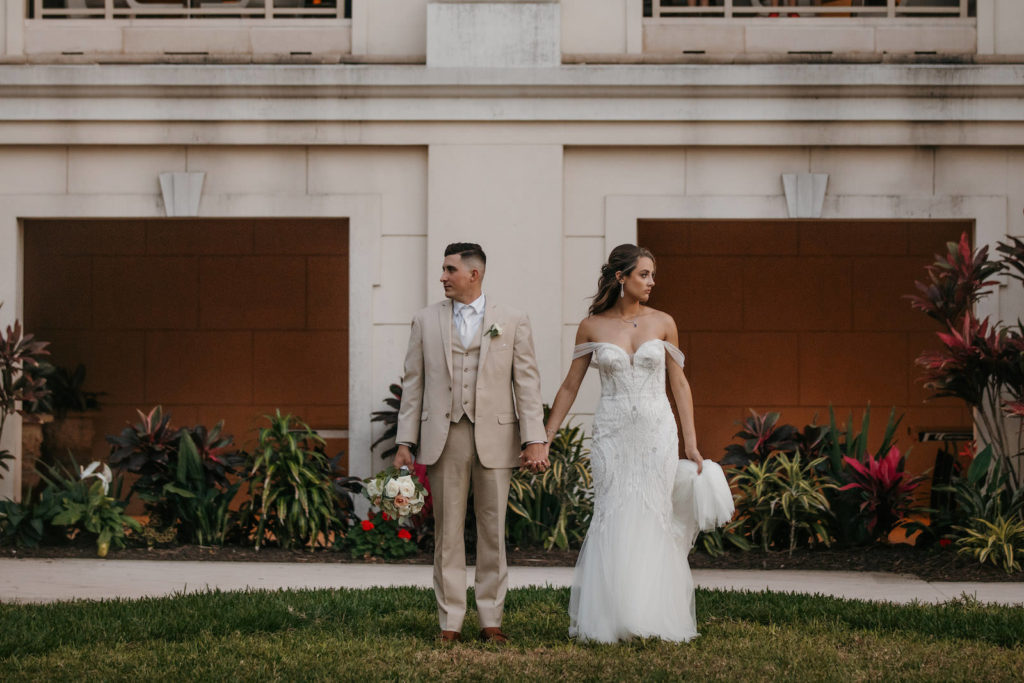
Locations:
{"points": [[554, 508], [782, 502], [380, 537], [290, 478]]}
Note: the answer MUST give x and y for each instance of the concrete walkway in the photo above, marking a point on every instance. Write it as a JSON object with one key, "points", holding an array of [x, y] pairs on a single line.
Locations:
{"points": [[49, 580]]}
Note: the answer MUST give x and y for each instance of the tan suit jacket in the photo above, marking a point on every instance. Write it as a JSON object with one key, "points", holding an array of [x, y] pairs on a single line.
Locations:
{"points": [[509, 412]]}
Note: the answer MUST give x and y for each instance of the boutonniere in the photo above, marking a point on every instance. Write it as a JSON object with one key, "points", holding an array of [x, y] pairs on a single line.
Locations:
{"points": [[495, 330]]}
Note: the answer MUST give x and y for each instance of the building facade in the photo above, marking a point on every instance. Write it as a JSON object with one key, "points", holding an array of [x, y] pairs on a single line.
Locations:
{"points": [[232, 207]]}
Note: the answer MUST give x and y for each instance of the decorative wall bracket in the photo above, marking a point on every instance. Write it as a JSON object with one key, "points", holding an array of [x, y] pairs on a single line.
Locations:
{"points": [[805, 193], [182, 192]]}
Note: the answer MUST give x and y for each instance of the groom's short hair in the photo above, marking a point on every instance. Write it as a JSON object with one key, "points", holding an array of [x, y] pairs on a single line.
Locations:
{"points": [[467, 250]]}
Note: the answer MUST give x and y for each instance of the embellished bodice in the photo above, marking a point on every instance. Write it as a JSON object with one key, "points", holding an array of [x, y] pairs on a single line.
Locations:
{"points": [[640, 376]]}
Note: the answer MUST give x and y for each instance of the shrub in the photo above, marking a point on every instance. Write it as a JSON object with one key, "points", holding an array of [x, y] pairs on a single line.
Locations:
{"points": [[782, 502], [86, 509], [554, 508], [186, 475], [1000, 542], [290, 479], [886, 490]]}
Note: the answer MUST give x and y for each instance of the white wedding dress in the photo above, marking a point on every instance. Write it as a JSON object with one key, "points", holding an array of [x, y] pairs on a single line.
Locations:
{"points": [[632, 578]]}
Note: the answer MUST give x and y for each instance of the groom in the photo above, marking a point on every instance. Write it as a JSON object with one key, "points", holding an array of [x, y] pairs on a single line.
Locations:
{"points": [[471, 403]]}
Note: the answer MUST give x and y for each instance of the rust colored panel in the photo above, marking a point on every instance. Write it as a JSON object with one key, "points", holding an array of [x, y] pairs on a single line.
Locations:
{"points": [[146, 292], [198, 368], [190, 237], [252, 292], [301, 368], [301, 236]]}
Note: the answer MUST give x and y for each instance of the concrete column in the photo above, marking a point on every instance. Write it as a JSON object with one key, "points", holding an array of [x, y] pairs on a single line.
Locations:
{"points": [[11, 296], [509, 199], [493, 33]]}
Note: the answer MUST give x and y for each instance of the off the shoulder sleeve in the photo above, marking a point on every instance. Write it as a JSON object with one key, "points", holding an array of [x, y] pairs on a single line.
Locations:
{"points": [[584, 349], [673, 353]]}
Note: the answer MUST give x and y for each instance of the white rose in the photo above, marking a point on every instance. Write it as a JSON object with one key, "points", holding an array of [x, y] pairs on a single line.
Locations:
{"points": [[391, 489], [372, 489], [406, 487]]}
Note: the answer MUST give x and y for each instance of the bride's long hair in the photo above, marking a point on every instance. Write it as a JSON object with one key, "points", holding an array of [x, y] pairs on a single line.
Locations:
{"points": [[622, 259]]}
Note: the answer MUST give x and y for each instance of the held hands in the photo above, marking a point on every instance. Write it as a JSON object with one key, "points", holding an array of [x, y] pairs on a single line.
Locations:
{"points": [[403, 457], [535, 457]]}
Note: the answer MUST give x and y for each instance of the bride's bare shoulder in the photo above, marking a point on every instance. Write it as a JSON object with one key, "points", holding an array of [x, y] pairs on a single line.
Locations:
{"points": [[587, 331], [665, 322]]}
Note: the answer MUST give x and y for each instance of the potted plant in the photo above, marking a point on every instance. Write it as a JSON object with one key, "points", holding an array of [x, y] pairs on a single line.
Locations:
{"points": [[73, 409]]}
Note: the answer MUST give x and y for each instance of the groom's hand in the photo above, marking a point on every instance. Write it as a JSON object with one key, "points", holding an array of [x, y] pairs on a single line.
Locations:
{"points": [[403, 457], [535, 457]]}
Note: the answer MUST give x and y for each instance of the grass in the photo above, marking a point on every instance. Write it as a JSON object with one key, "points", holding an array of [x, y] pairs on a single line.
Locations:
{"points": [[389, 634]]}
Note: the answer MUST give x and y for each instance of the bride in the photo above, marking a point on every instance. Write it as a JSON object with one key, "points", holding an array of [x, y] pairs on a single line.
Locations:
{"points": [[632, 578]]}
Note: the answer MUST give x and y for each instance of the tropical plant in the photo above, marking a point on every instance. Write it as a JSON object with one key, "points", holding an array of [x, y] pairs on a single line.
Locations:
{"points": [[981, 362], [389, 418], [290, 480], [717, 541], [762, 436], [27, 524], [188, 476], [87, 510], [851, 525], [67, 392], [380, 536], [782, 502], [1000, 541], [554, 508], [887, 492], [20, 356]]}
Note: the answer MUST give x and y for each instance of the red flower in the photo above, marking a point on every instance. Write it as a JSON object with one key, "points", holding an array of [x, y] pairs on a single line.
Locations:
{"points": [[404, 535], [944, 542], [367, 525], [385, 516]]}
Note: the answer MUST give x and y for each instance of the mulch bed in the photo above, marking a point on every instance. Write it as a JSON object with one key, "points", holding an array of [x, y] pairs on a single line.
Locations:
{"points": [[930, 565]]}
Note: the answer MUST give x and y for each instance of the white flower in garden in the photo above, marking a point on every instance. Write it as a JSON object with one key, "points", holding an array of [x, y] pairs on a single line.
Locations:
{"points": [[372, 489], [392, 488], [406, 486], [104, 475]]}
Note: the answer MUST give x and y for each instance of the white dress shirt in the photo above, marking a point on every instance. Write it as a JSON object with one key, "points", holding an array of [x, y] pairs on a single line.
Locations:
{"points": [[472, 314]]}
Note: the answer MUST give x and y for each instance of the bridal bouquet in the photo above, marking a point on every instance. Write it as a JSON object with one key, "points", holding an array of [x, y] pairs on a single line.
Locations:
{"points": [[396, 492]]}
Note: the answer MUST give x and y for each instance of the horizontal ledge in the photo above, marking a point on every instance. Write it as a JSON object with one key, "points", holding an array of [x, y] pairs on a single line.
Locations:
{"points": [[334, 79]]}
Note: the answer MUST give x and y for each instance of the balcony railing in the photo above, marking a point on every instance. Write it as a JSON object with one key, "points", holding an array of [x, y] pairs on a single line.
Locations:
{"points": [[883, 9], [190, 9]]}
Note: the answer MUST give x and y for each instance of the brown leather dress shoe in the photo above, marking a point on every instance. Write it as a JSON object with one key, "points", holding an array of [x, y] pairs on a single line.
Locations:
{"points": [[450, 637], [493, 634]]}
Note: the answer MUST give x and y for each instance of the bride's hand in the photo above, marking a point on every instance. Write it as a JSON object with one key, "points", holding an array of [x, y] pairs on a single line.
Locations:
{"points": [[695, 456]]}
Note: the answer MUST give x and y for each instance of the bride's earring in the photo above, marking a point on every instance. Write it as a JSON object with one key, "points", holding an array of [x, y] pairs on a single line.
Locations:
{"points": [[622, 290]]}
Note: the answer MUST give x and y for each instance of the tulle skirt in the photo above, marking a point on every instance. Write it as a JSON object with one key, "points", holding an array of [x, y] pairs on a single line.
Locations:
{"points": [[632, 577]]}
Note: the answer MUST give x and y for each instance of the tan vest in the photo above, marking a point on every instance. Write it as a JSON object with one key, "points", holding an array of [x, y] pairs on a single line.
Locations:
{"points": [[465, 363]]}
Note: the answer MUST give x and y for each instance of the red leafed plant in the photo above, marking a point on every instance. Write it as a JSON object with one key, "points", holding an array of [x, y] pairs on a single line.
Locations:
{"points": [[981, 362], [20, 382], [887, 491]]}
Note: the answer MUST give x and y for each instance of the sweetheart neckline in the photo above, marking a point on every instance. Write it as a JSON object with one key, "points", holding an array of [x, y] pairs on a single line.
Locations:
{"points": [[635, 351]]}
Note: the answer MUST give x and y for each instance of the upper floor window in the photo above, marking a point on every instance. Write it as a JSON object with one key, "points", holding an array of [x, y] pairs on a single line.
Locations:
{"points": [[772, 9]]}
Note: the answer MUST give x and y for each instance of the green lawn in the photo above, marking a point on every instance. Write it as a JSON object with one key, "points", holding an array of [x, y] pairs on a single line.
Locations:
{"points": [[389, 634]]}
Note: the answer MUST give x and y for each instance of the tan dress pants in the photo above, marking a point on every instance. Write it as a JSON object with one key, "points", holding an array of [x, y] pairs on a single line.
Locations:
{"points": [[450, 478]]}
